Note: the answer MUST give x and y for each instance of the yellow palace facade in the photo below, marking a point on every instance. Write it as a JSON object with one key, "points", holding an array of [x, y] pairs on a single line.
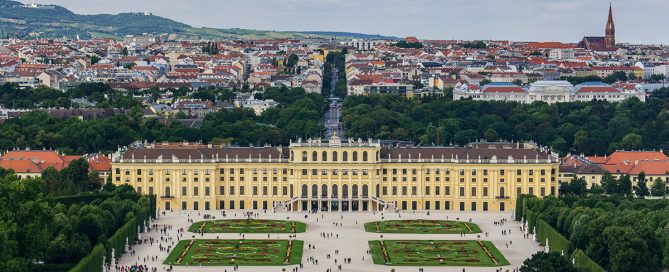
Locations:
{"points": [[338, 175]]}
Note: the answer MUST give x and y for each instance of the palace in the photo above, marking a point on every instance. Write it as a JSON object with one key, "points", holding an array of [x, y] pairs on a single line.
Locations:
{"points": [[338, 175]]}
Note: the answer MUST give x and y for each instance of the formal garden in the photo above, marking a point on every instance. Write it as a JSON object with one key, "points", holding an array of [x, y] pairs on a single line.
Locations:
{"points": [[422, 226], [236, 252], [248, 226], [436, 253]]}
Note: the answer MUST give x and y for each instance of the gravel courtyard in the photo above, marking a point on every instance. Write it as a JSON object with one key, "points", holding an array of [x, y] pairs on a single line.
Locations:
{"points": [[347, 235]]}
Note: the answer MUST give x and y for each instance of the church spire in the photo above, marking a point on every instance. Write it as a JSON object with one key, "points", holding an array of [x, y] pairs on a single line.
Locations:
{"points": [[610, 37]]}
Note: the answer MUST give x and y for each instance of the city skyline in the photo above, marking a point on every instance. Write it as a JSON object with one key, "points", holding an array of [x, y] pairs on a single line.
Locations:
{"points": [[567, 20]]}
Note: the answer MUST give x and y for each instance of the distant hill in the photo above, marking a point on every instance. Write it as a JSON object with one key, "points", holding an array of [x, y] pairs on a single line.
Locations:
{"points": [[19, 20]]}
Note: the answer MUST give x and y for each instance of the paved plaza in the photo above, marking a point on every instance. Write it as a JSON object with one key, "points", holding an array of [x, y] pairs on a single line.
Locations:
{"points": [[347, 236]]}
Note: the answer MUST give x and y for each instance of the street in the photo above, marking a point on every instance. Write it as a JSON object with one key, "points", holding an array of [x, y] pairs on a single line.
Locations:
{"points": [[332, 116]]}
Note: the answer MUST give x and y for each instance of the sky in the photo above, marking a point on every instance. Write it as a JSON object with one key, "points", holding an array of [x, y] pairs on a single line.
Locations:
{"points": [[638, 21]]}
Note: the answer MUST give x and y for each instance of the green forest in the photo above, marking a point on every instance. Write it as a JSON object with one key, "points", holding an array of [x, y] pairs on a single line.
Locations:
{"points": [[298, 116], [617, 233], [44, 227], [594, 127]]}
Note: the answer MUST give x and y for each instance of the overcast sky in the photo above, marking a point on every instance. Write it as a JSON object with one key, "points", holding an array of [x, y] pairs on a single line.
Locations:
{"points": [[638, 21]]}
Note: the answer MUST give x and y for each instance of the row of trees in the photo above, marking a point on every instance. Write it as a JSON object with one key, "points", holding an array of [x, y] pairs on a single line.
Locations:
{"points": [[11, 95], [594, 127], [335, 60], [405, 44], [611, 185], [37, 229], [618, 76], [618, 233], [298, 116]]}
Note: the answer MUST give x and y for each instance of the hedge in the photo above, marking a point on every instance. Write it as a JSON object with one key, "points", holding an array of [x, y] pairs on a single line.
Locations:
{"points": [[556, 242], [584, 263], [118, 239], [90, 197], [92, 262]]}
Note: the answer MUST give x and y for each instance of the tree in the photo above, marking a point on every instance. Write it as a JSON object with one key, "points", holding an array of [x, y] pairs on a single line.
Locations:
{"points": [[490, 135], [657, 78], [485, 82], [596, 189], [291, 61], [577, 186], [625, 185], [94, 59], [641, 189], [405, 44], [632, 141], [77, 173], [547, 262], [610, 184], [124, 51], [659, 188]]}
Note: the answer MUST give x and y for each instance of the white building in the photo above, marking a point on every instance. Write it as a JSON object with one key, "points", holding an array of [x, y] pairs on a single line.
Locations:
{"points": [[547, 91], [550, 91], [258, 106], [601, 91], [561, 54]]}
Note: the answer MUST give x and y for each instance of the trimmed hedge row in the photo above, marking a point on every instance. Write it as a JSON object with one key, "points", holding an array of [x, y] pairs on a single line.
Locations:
{"points": [[92, 262], [90, 197], [118, 240], [586, 264], [556, 242]]}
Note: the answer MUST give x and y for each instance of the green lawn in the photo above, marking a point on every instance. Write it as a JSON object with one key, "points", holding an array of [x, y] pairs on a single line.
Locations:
{"points": [[436, 253], [248, 226], [235, 252], [422, 226]]}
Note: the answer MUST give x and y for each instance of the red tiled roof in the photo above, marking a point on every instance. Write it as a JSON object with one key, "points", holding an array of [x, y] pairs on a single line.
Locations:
{"points": [[44, 158], [20, 166], [629, 157], [650, 168], [606, 89], [503, 90], [99, 163]]}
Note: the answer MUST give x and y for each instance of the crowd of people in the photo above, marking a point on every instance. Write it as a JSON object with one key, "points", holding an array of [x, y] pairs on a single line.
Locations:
{"points": [[161, 239]]}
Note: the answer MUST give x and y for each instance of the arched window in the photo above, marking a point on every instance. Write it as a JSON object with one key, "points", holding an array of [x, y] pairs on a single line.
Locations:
{"points": [[344, 191], [355, 155], [364, 156], [334, 156], [377, 156], [324, 156], [365, 190], [304, 190], [335, 191], [355, 190], [292, 156], [314, 156], [167, 191], [324, 191], [501, 191], [314, 191], [344, 156], [304, 156]]}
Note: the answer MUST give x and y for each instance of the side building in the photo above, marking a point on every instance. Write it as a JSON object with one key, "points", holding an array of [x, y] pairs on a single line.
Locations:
{"points": [[338, 175]]}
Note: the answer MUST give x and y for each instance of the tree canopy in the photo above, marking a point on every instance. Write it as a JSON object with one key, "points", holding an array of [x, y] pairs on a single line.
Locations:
{"points": [[594, 127]]}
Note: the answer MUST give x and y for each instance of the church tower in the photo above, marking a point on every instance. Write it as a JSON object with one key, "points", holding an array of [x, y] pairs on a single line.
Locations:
{"points": [[610, 37]]}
